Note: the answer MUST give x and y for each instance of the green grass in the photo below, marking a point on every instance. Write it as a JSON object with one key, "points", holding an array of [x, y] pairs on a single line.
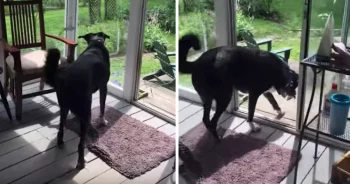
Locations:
{"points": [[149, 65]]}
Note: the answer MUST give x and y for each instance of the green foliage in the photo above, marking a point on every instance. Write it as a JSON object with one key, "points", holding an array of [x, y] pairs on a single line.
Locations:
{"points": [[189, 6], [153, 33], [163, 15], [196, 22], [266, 9], [54, 3], [116, 29], [244, 25]]}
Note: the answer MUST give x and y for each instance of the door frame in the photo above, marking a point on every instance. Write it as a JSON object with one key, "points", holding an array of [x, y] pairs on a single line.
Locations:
{"points": [[225, 36]]}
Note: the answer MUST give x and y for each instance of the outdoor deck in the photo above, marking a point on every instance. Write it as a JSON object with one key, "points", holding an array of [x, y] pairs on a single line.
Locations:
{"points": [[28, 152], [159, 97], [309, 172]]}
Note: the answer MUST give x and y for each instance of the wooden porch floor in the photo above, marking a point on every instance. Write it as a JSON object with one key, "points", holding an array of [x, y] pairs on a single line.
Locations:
{"points": [[310, 171], [28, 152]]}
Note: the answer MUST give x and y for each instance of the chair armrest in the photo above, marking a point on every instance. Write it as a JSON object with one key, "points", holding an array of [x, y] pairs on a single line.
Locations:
{"points": [[64, 40], [9, 48], [267, 41], [71, 46], [15, 52]]}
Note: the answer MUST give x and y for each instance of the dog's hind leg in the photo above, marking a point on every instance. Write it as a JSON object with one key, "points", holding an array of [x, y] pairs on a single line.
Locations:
{"points": [[84, 125], [222, 102], [103, 95], [253, 99], [207, 102], [275, 106], [63, 118]]}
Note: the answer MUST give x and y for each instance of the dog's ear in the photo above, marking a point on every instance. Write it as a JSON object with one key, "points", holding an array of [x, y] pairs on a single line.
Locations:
{"points": [[86, 37]]}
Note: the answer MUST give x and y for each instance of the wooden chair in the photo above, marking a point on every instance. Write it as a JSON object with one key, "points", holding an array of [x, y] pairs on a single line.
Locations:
{"points": [[27, 30]]}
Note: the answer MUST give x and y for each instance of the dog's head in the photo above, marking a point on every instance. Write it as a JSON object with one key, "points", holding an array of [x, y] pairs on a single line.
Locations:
{"points": [[289, 91], [100, 37]]}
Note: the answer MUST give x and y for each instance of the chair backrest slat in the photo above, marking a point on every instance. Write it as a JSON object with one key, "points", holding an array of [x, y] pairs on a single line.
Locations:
{"points": [[163, 58], [25, 18]]}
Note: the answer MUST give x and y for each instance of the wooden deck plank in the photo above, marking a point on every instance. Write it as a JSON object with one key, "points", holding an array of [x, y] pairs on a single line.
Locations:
{"points": [[279, 137], [19, 142], [183, 104], [169, 180], [37, 162], [306, 162], [155, 175], [110, 176], [33, 149], [40, 160], [264, 133], [142, 116], [92, 169], [155, 122], [188, 111], [52, 171], [321, 172]]}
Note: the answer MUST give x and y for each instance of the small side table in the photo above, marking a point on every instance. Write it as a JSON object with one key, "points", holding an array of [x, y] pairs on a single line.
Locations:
{"points": [[3, 97], [319, 123]]}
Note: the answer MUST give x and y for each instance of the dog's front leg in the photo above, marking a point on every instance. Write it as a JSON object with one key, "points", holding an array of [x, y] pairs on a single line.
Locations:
{"points": [[103, 95], [275, 106], [253, 98]]}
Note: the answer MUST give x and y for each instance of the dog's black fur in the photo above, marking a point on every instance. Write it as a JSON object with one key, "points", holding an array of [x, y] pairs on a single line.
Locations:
{"points": [[217, 71], [75, 83]]}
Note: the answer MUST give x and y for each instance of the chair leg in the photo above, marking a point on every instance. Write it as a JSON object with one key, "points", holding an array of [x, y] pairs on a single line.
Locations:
{"points": [[5, 102], [19, 98], [6, 83]]}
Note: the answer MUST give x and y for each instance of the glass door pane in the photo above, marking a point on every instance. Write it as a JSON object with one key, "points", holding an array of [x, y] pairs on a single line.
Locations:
{"points": [[196, 16], [157, 81], [110, 17], [319, 15], [273, 26]]}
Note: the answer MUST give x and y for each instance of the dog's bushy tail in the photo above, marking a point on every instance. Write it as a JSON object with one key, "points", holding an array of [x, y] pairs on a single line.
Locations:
{"points": [[185, 44], [51, 65]]}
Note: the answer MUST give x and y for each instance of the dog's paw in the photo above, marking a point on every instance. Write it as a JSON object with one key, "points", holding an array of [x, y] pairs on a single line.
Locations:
{"points": [[102, 120], [280, 114], [256, 128], [80, 165], [253, 127], [60, 144], [42, 84]]}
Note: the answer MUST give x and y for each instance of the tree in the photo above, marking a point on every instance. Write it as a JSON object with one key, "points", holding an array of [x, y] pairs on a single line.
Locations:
{"points": [[110, 9], [94, 10]]}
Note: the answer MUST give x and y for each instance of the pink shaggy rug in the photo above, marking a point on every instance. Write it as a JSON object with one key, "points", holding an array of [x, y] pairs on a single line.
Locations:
{"points": [[237, 159], [126, 144]]}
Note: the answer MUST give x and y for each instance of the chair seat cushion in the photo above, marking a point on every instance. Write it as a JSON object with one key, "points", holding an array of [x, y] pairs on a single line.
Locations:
{"points": [[33, 62]]}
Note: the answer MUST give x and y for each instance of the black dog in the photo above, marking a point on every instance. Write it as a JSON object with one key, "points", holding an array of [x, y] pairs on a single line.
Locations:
{"points": [[218, 70], [75, 83]]}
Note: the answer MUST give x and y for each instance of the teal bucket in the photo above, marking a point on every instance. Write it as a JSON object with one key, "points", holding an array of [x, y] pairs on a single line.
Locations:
{"points": [[339, 113]]}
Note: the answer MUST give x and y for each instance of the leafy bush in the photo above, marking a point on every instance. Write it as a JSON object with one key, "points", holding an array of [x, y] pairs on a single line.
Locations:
{"points": [[197, 5], [123, 11], [164, 16], [116, 29], [194, 22], [244, 25], [266, 9], [153, 33], [199, 23], [54, 3]]}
